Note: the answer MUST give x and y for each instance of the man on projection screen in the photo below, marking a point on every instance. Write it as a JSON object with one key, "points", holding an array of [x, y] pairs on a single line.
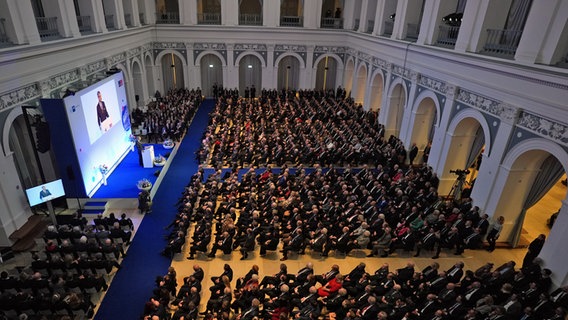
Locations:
{"points": [[103, 117]]}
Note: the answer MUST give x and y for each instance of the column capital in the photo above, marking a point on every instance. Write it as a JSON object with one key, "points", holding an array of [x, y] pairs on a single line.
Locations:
{"points": [[509, 113], [451, 91]]}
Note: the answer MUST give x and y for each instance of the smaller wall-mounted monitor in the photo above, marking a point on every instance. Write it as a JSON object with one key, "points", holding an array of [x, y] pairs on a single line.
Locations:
{"points": [[45, 192]]}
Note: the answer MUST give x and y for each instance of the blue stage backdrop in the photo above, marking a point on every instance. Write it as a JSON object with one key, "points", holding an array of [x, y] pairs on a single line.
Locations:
{"points": [[60, 131]]}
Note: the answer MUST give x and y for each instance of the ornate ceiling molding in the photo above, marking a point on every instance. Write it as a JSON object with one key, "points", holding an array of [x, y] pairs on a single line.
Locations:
{"points": [[433, 84], [209, 46], [168, 45], [249, 47], [544, 127], [329, 49], [401, 71], [290, 47], [94, 67], [60, 80], [19, 96]]}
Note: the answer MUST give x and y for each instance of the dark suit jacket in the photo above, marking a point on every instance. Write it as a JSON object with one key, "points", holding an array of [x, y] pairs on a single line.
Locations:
{"points": [[369, 312], [198, 274], [102, 113], [250, 313]]}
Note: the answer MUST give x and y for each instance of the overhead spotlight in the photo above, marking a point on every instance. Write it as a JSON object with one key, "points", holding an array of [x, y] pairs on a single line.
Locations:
{"points": [[69, 92], [392, 16], [112, 71], [453, 19]]}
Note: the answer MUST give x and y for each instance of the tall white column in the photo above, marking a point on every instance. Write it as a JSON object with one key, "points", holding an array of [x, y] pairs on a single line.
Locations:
{"points": [[98, 18], [377, 28], [131, 7], [309, 71], [188, 12], [119, 16], [268, 72], [406, 125], [477, 18], [232, 70], [312, 14], [69, 26], [363, 16], [193, 71], [385, 100], [349, 15], [434, 159], [434, 11], [22, 18], [148, 7], [230, 12], [407, 11], [482, 195], [271, 13], [550, 254], [544, 34]]}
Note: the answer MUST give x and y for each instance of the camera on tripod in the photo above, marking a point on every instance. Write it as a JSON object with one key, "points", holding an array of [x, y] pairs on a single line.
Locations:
{"points": [[459, 172]]}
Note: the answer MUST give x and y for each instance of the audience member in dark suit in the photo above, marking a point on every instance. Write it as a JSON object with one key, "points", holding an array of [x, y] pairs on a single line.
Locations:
{"points": [[295, 244], [223, 243], [324, 278], [200, 244], [248, 243]]}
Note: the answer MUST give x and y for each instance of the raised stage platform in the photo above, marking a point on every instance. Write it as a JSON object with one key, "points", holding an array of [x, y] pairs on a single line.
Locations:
{"points": [[122, 182]]}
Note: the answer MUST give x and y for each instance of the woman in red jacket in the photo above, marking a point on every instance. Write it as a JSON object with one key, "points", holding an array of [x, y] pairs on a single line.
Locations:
{"points": [[332, 286]]}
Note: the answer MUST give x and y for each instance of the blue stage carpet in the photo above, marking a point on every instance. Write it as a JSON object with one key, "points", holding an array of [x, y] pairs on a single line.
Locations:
{"points": [[132, 286], [122, 182]]}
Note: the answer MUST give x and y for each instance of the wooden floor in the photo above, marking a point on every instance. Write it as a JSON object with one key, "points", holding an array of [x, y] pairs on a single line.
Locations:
{"points": [[535, 223]]}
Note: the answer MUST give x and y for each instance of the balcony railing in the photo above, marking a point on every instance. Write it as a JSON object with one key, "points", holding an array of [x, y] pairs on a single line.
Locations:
{"points": [[250, 19], [142, 18], [209, 18], [389, 25], [370, 26], [412, 31], [3, 34], [356, 24], [128, 20], [332, 23], [447, 36], [167, 18], [502, 43], [84, 23], [291, 21], [109, 21], [47, 27]]}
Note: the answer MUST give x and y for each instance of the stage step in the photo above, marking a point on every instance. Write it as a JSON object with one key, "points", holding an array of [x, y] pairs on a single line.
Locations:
{"points": [[93, 211], [95, 205]]}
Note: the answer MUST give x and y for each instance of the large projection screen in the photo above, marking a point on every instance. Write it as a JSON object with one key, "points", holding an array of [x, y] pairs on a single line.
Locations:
{"points": [[100, 126]]}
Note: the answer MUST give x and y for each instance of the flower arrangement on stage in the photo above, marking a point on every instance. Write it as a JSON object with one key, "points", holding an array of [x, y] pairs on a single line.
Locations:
{"points": [[160, 160], [144, 184], [168, 144], [103, 168]]}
